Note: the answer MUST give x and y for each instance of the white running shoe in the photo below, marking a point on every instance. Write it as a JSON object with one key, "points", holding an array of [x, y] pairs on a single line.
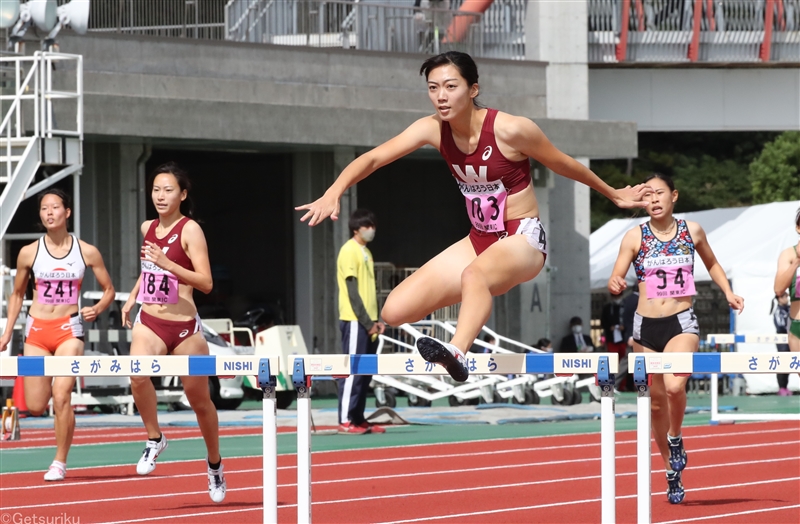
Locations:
{"points": [[216, 483], [151, 452], [57, 471]]}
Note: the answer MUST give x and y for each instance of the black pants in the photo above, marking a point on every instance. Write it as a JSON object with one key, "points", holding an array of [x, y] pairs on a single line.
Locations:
{"points": [[353, 389], [783, 378]]}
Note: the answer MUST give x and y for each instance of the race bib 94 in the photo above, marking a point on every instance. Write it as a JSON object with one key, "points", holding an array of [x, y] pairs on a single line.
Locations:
{"points": [[669, 276]]}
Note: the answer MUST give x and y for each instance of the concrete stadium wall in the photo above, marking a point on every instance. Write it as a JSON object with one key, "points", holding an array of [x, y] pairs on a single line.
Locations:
{"points": [[697, 99]]}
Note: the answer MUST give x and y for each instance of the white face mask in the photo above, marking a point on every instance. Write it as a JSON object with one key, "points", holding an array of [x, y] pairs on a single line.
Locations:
{"points": [[577, 329], [367, 235]]}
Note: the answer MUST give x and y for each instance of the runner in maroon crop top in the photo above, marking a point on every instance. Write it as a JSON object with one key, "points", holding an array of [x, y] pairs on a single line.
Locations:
{"points": [[487, 152], [174, 263]]}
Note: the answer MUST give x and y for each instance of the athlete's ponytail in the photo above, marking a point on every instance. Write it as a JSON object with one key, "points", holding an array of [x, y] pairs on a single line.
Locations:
{"points": [[180, 174]]}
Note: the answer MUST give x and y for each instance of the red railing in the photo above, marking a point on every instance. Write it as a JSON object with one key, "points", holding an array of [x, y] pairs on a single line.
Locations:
{"points": [[696, 31]]}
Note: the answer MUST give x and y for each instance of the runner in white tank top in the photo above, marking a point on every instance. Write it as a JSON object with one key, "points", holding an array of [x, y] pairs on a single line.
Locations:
{"points": [[57, 262], [58, 279]]}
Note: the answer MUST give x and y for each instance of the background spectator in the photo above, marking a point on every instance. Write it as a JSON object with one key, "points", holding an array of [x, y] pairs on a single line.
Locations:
{"points": [[576, 341]]}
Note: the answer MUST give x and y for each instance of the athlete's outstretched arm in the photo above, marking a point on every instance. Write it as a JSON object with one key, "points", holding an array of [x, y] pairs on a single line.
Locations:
{"points": [[526, 137], [627, 253], [424, 131], [788, 263], [95, 261], [14, 305], [714, 268]]}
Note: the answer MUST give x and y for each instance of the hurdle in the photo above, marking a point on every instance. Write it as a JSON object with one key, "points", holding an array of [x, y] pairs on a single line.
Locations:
{"points": [[773, 338], [603, 365], [644, 366], [174, 365]]}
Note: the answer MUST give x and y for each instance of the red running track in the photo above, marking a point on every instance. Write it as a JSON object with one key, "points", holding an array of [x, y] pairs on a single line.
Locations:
{"points": [[108, 435], [737, 473]]}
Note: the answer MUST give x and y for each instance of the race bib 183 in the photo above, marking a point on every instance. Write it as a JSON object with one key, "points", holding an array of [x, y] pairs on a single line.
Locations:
{"points": [[486, 205]]}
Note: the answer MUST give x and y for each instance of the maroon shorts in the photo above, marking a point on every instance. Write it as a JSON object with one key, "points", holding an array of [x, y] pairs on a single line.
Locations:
{"points": [[532, 228], [172, 332]]}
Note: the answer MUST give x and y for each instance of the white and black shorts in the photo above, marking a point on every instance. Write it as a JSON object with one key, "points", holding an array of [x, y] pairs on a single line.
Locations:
{"points": [[655, 333]]}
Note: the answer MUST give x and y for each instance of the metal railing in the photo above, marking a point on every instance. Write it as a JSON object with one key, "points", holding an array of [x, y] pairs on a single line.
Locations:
{"points": [[36, 89], [694, 31], [498, 33], [199, 19], [671, 31], [28, 108], [358, 25], [503, 28]]}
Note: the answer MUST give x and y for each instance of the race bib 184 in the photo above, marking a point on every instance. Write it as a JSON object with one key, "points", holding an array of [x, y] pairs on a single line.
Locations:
{"points": [[158, 288]]}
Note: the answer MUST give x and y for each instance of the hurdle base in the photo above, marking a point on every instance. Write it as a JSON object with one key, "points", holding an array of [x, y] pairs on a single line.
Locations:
{"points": [[721, 422]]}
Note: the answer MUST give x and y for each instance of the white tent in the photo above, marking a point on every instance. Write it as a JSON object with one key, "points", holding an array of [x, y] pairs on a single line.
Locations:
{"points": [[746, 241]]}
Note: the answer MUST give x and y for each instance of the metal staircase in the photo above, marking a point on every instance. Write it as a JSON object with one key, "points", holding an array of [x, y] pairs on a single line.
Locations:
{"points": [[35, 152]]}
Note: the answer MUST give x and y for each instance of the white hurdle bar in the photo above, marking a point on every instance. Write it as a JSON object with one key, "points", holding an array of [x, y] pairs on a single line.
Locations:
{"points": [[603, 365], [644, 365], [262, 368], [716, 416]]}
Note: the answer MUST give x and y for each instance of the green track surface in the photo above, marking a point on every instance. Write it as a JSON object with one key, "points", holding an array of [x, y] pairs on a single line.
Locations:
{"points": [[37, 459]]}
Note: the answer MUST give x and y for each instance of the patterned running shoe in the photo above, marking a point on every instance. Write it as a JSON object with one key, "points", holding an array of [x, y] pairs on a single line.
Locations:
{"points": [[677, 455], [675, 491], [447, 355]]}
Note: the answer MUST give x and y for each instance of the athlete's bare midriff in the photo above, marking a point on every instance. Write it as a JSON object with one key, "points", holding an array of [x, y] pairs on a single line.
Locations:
{"points": [[50, 312], [660, 307], [522, 204], [185, 309], [794, 309]]}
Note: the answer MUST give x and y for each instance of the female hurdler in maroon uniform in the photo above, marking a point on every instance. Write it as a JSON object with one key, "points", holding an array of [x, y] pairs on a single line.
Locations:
{"points": [[174, 264], [487, 152]]}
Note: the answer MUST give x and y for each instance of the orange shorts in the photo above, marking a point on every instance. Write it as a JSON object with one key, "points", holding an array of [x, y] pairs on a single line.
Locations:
{"points": [[50, 334]]}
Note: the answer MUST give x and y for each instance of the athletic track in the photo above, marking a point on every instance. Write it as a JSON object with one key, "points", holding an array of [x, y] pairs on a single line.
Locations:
{"points": [[736, 474]]}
